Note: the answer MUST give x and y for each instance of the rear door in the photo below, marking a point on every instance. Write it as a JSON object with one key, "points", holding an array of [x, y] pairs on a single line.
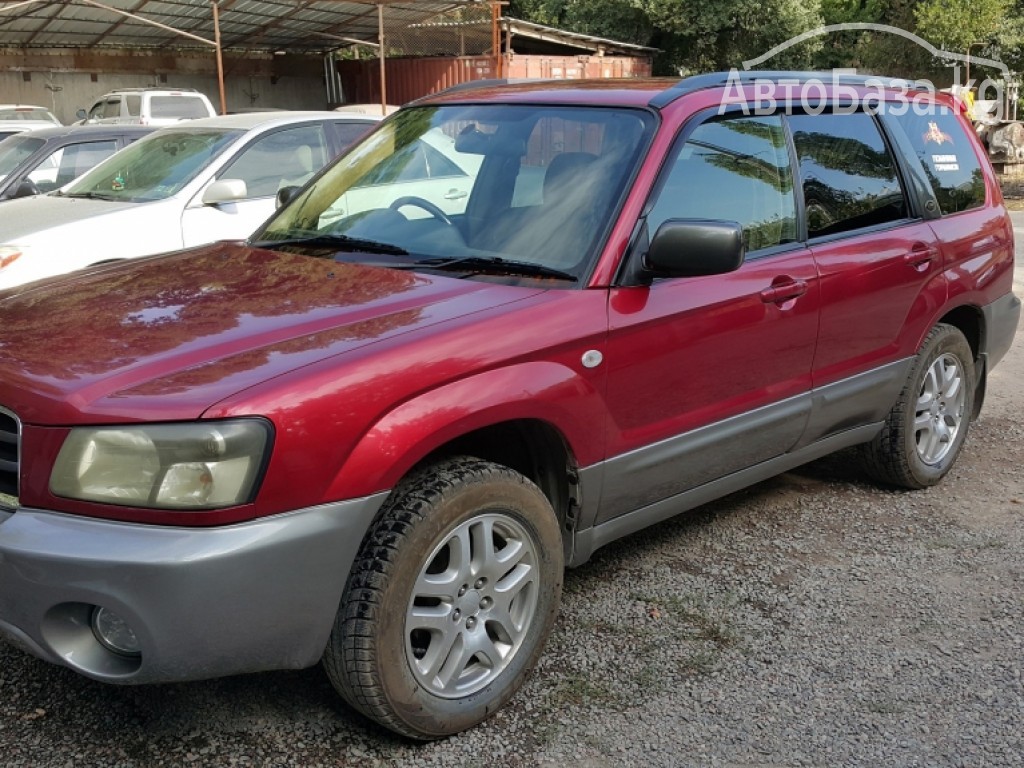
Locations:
{"points": [[881, 271], [972, 231], [710, 375]]}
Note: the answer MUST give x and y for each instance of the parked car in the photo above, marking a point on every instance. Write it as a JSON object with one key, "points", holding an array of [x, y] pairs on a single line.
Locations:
{"points": [[376, 439], [148, 106], [15, 118], [183, 185], [40, 161]]}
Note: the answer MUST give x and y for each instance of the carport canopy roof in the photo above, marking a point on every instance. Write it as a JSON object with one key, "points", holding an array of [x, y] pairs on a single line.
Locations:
{"points": [[294, 26]]}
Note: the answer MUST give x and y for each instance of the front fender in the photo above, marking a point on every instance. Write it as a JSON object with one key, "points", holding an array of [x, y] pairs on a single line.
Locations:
{"points": [[543, 391]]}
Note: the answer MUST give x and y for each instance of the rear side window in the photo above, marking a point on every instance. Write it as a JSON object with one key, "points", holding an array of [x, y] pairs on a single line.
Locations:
{"points": [[734, 169], [134, 104], [948, 157], [849, 177], [177, 106]]}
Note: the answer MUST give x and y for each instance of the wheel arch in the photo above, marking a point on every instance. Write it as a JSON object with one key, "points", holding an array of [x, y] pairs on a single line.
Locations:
{"points": [[970, 321], [540, 419]]}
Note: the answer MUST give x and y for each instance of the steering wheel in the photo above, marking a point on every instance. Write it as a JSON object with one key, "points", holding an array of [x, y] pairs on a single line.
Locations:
{"points": [[426, 205]]}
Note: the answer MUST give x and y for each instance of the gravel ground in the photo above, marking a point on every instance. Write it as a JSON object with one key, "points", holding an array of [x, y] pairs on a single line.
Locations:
{"points": [[812, 620]]}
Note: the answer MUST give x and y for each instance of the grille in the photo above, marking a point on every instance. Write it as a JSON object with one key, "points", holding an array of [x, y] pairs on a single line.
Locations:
{"points": [[10, 449]]}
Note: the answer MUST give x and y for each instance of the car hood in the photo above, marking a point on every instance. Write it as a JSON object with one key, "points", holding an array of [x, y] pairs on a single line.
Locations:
{"points": [[166, 337], [51, 218]]}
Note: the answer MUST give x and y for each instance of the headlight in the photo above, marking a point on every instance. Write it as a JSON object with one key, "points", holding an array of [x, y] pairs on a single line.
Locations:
{"points": [[206, 465]]}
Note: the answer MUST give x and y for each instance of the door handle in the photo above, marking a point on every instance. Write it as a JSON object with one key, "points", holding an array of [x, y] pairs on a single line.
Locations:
{"points": [[920, 256], [455, 194], [783, 292]]}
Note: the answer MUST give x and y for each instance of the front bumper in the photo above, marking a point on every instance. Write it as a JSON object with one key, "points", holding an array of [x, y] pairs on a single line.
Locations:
{"points": [[203, 602]]}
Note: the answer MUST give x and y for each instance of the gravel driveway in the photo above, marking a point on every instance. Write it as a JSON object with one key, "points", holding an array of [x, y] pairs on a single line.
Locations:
{"points": [[810, 620]]}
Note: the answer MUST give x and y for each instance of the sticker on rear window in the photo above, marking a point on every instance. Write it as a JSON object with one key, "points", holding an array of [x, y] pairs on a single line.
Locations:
{"points": [[934, 133]]}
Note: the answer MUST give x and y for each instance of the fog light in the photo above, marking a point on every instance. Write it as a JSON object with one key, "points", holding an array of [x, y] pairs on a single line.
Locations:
{"points": [[114, 633]]}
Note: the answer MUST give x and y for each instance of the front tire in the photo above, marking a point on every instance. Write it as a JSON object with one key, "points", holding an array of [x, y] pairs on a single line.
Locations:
{"points": [[926, 428], [451, 597]]}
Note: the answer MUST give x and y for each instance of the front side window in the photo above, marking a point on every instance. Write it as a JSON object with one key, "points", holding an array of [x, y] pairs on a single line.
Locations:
{"points": [[849, 177], [70, 162], [733, 169], [476, 185], [280, 159], [948, 156], [155, 167], [111, 108]]}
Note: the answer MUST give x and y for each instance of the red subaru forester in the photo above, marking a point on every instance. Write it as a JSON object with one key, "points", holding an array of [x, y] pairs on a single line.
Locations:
{"points": [[513, 324]]}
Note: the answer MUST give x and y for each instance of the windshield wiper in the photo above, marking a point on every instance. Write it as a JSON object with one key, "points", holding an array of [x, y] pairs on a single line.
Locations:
{"points": [[493, 264], [340, 241], [91, 195]]}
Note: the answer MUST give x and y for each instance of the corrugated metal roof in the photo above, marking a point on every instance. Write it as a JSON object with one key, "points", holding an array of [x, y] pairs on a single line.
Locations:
{"points": [[305, 26]]}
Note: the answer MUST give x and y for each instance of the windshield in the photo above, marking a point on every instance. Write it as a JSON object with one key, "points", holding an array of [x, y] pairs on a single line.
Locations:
{"points": [[155, 167], [14, 150], [466, 188]]}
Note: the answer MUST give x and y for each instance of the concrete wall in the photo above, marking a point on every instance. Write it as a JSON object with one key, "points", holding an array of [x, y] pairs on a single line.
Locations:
{"points": [[65, 81]]}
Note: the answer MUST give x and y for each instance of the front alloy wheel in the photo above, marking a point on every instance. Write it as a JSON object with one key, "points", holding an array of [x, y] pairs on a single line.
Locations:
{"points": [[472, 606], [450, 599]]}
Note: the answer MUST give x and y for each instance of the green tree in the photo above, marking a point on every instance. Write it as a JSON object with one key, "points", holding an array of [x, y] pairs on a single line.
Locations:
{"points": [[719, 34], [957, 24]]}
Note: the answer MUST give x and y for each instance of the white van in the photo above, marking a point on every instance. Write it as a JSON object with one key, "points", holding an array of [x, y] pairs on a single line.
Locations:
{"points": [[148, 106]]}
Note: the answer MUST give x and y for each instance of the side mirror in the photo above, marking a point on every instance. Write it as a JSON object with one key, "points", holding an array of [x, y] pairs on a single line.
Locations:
{"points": [[695, 247], [26, 189], [81, 114], [286, 194], [225, 191]]}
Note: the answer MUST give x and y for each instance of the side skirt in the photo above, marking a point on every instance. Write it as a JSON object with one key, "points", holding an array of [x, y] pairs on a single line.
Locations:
{"points": [[590, 540]]}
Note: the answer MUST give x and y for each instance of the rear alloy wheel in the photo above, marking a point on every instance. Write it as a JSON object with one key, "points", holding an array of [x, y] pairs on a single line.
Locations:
{"points": [[927, 426], [450, 600]]}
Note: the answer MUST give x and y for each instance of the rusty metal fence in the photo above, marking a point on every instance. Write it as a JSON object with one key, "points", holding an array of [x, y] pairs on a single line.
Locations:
{"points": [[413, 56]]}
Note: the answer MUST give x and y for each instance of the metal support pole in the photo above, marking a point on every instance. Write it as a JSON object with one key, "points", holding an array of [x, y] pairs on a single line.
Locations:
{"points": [[220, 58], [381, 53], [496, 38]]}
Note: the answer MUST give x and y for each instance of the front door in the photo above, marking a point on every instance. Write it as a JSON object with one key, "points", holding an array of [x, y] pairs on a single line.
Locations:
{"points": [[709, 375]]}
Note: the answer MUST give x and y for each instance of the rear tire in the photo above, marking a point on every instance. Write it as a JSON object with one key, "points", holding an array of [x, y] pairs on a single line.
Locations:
{"points": [[926, 428], [451, 597]]}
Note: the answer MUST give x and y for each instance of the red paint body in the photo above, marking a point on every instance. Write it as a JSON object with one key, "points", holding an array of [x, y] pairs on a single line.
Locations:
{"points": [[363, 371]]}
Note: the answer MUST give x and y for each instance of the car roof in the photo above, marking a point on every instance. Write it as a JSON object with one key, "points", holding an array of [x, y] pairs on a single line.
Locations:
{"points": [[98, 131], [246, 121], [655, 92]]}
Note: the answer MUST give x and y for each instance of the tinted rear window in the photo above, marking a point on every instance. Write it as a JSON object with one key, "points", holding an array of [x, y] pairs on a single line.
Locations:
{"points": [[177, 106], [849, 178], [948, 157]]}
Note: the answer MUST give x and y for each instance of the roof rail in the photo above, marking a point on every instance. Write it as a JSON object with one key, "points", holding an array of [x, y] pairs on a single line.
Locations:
{"points": [[150, 88], [703, 82], [470, 85]]}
